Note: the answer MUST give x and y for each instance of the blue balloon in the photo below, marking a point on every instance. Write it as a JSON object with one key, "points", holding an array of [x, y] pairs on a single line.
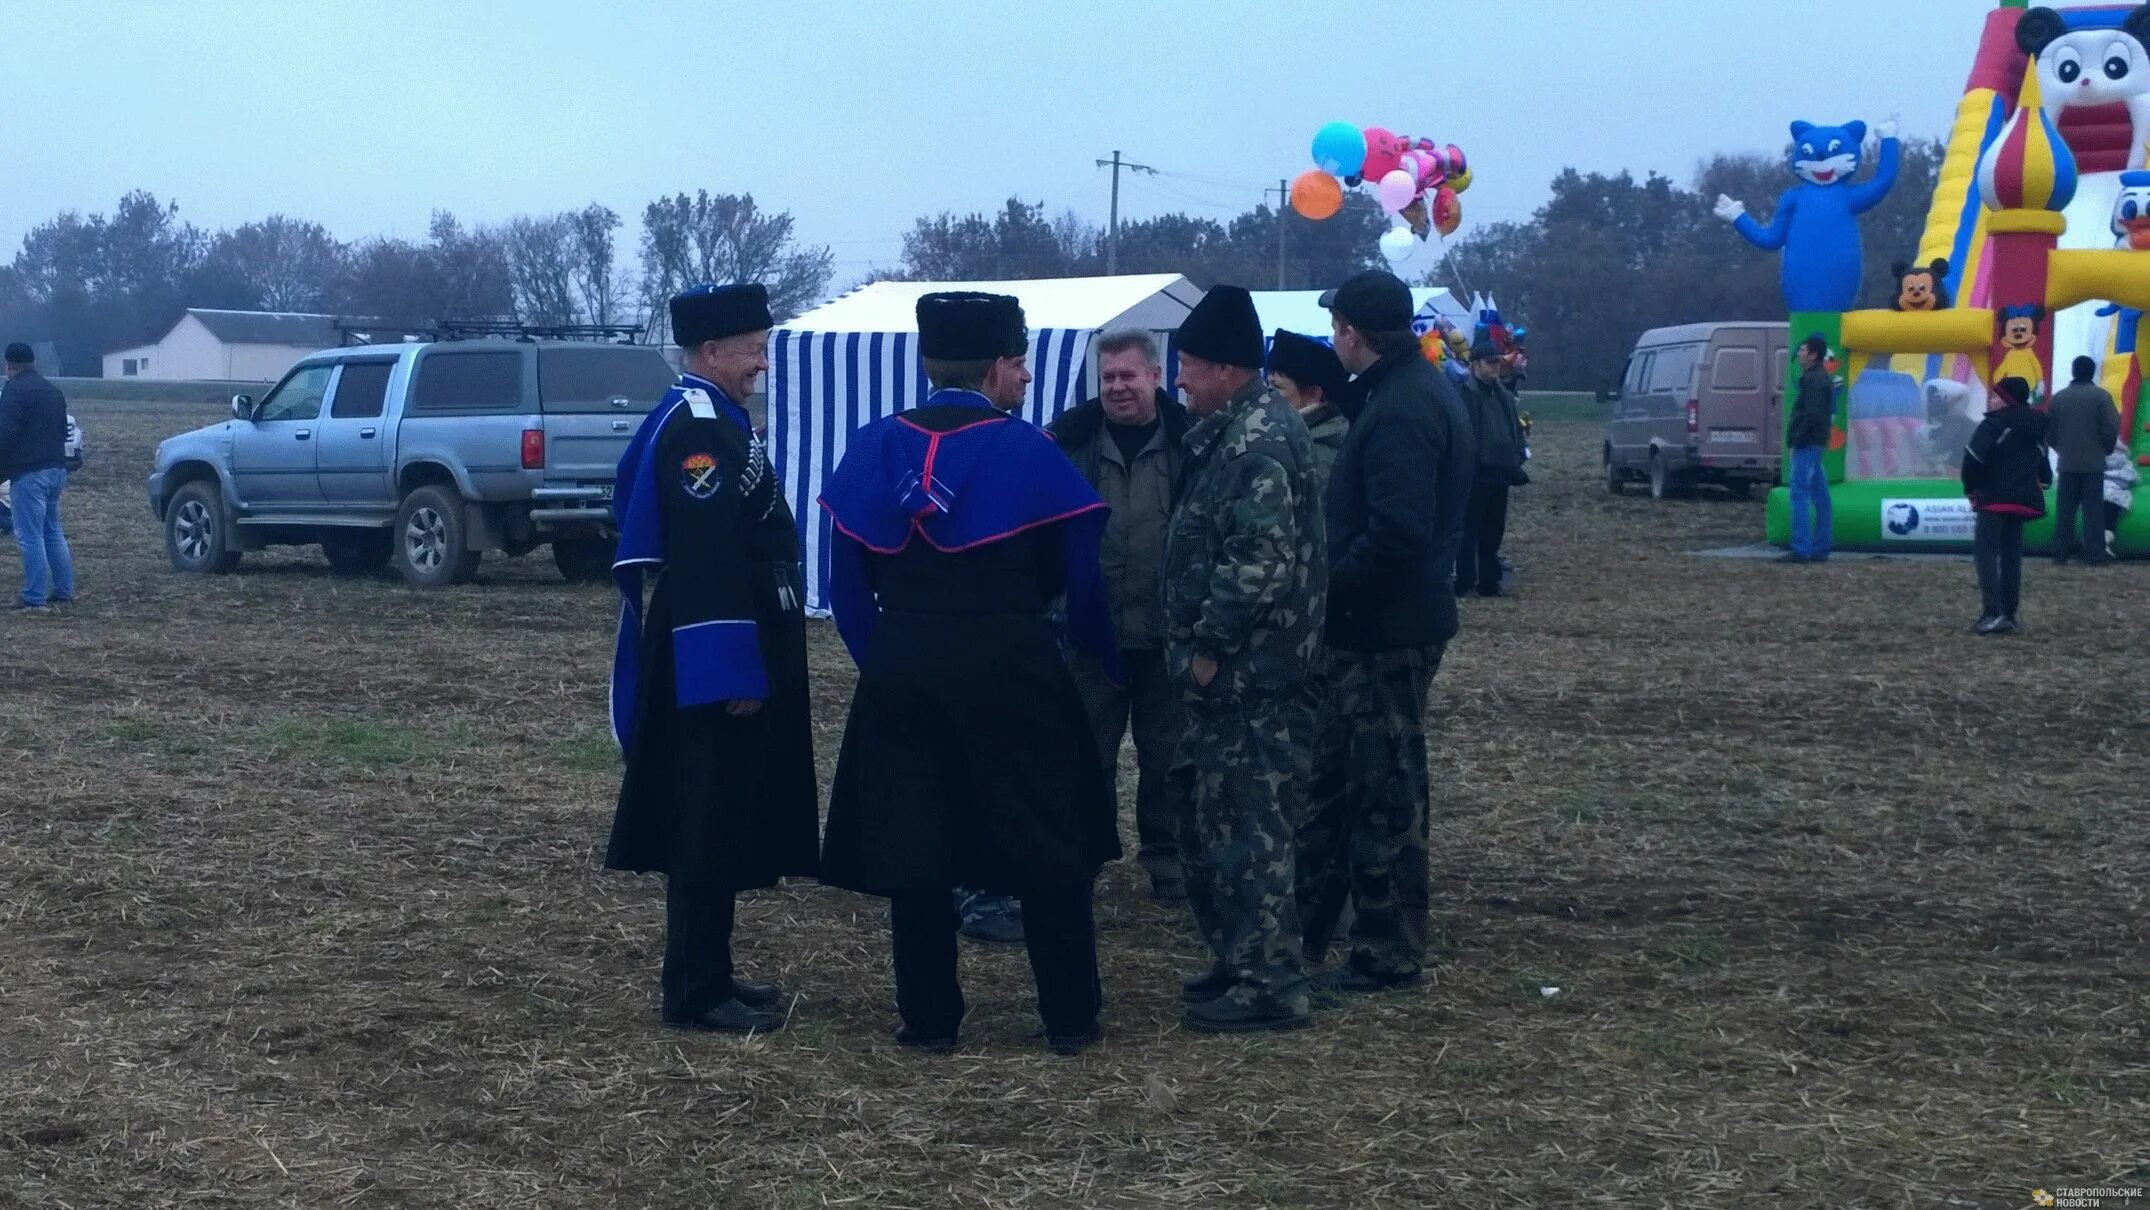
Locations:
{"points": [[1339, 149]]}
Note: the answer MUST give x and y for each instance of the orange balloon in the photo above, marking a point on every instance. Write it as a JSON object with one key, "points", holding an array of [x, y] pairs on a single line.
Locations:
{"points": [[1316, 195]]}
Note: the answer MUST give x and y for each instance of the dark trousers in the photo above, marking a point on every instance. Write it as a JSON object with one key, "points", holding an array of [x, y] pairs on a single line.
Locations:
{"points": [[1485, 522], [697, 948], [1058, 929], [1152, 702], [2081, 495], [1997, 548]]}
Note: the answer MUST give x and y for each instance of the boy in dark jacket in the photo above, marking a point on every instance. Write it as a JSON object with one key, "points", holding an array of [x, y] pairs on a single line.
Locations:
{"points": [[2005, 474]]}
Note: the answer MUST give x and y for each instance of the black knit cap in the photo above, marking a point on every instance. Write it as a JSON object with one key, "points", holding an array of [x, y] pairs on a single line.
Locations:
{"points": [[1372, 301], [1306, 361], [962, 325], [2015, 390], [21, 354], [1223, 328], [715, 312]]}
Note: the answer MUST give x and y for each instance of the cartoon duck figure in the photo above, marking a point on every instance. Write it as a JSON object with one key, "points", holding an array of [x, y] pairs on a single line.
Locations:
{"points": [[2131, 212], [2019, 334]]}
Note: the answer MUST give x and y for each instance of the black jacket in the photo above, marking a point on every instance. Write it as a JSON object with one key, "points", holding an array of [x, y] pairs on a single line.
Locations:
{"points": [[2005, 470], [1814, 412], [33, 425], [1395, 508], [1498, 424]]}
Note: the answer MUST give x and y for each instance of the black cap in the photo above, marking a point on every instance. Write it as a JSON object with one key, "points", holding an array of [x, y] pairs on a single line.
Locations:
{"points": [[2014, 390], [965, 326], [715, 312], [1306, 361], [1485, 350], [2084, 369], [1223, 328], [1372, 301], [21, 354]]}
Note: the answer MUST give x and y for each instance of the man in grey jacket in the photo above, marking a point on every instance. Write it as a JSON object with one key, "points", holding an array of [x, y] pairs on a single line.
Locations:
{"points": [[2085, 427]]}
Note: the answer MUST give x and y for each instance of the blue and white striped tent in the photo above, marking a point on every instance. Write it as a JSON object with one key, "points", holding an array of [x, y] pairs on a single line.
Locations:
{"points": [[855, 360]]}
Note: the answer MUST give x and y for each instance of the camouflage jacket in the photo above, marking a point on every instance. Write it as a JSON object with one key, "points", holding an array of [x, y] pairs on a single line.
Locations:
{"points": [[1326, 424], [1246, 557]]}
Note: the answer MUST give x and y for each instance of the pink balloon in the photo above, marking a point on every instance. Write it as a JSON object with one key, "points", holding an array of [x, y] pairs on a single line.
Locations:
{"points": [[1384, 153], [1457, 165], [1396, 190]]}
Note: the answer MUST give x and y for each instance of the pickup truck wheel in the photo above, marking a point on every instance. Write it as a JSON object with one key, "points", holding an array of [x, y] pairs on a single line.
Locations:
{"points": [[197, 534], [429, 539], [357, 554], [583, 560]]}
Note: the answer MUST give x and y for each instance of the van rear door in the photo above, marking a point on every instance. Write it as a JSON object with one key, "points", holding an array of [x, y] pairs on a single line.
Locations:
{"points": [[593, 398], [1733, 404]]}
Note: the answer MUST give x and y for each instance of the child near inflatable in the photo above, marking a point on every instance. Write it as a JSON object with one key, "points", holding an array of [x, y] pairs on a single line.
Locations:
{"points": [[2120, 480]]}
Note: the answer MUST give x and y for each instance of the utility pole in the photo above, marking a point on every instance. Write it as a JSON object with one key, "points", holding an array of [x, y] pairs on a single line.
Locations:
{"points": [[1283, 192], [1112, 231]]}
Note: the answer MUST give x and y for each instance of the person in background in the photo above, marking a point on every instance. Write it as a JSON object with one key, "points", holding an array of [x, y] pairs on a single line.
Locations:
{"points": [[33, 460], [1395, 511], [1807, 436], [74, 462], [2005, 474], [1246, 573], [2083, 427], [709, 690], [1306, 372], [1497, 423], [968, 758], [2120, 480], [1127, 444]]}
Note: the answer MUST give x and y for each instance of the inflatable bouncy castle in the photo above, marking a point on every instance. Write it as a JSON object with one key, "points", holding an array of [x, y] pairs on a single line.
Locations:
{"points": [[2037, 250]]}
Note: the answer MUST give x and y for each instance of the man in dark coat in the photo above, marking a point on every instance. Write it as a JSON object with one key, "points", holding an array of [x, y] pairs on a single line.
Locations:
{"points": [[968, 758], [1395, 512], [1126, 443], [709, 692], [1497, 423], [2084, 428], [1807, 434], [33, 458]]}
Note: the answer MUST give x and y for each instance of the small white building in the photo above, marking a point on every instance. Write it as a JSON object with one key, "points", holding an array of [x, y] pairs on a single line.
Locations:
{"points": [[208, 345]]}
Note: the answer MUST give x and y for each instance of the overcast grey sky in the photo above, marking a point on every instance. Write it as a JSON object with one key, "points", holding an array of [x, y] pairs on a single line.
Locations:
{"points": [[857, 117]]}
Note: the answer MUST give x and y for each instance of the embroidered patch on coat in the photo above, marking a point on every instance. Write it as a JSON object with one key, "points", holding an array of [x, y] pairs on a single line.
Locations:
{"points": [[698, 476]]}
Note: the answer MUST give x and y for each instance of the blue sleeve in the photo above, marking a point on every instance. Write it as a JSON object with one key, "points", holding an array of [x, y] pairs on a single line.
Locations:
{"points": [[851, 597], [1772, 237], [718, 661], [1866, 196], [708, 577], [1089, 610]]}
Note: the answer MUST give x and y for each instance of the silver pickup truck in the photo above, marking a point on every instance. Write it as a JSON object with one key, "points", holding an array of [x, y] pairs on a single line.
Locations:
{"points": [[427, 455]]}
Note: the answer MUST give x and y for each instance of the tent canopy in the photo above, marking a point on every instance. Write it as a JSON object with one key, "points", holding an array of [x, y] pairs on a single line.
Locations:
{"points": [[1301, 311], [1155, 301]]}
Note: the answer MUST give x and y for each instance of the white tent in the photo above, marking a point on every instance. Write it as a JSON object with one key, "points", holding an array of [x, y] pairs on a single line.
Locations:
{"points": [[1301, 311], [855, 360]]}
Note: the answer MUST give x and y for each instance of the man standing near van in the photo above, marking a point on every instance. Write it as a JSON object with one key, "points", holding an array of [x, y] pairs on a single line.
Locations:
{"points": [[1813, 416], [2085, 427], [1128, 443], [33, 458]]}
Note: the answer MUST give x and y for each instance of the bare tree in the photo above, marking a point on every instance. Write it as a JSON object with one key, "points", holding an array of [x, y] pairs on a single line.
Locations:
{"points": [[280, 263], [541, 255], [725, 238], [596, 277]]}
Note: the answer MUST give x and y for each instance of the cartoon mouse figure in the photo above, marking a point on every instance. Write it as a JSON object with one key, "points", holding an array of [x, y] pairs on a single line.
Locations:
{"points": [[2089, 66], [1816, 223], [1921, 287], [2019, 334]]}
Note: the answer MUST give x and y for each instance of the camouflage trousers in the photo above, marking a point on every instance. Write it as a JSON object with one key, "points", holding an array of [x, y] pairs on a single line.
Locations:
{"points": [[1363, 836], [1238, 770]]}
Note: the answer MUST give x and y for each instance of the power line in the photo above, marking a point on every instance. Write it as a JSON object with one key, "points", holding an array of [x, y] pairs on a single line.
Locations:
{"points": [[1112, 233]]}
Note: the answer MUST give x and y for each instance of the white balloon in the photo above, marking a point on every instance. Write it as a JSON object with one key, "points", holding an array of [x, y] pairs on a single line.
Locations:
{"points": [[1397, 245]]}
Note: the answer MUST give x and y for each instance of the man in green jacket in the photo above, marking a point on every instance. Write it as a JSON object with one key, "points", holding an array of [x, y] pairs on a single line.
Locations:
{"points": [[1127, 443], [1306, 372], [1246, 576]]}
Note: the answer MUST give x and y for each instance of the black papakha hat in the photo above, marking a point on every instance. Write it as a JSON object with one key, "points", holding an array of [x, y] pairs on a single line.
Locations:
{"points": [[1306, 361], [1372, 301], [2015, 390], [963, 325], [715, 312], [21, 354], [1223, 328]]}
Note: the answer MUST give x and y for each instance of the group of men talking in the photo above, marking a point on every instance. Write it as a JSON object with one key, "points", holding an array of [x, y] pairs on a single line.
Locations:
{"points": [[1261, 581]]}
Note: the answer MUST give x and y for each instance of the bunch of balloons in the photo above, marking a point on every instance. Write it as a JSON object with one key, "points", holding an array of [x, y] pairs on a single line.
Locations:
{"points": [[1415, 180]]}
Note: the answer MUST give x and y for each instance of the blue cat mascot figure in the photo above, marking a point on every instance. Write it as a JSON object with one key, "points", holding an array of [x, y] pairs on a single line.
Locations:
{"points": [[1816, 225]]}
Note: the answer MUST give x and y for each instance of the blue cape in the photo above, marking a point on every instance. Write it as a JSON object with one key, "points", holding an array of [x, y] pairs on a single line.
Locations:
{"points": [[638, 515], [981, 482]]}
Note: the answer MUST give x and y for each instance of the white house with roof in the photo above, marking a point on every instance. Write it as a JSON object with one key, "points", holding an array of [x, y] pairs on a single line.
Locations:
{"points": [[227, 346]]}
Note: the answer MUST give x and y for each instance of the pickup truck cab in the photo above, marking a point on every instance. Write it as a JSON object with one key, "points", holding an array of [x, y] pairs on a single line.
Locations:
{"points": [[425, 455]]}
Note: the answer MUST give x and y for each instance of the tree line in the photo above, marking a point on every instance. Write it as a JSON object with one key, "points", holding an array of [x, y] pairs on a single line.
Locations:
{"points": [[92, 283], [1605, 258]]}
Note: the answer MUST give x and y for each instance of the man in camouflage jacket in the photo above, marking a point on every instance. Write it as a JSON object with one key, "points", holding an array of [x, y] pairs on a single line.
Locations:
{"points": [[1246, 572]]}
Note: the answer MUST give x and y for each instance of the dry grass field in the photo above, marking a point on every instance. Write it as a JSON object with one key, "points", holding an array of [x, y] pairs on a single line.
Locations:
{"points": [[300, 906]]}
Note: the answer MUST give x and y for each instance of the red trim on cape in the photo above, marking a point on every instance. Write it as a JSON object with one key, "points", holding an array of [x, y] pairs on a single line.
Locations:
{"points": [[919, 529]]}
